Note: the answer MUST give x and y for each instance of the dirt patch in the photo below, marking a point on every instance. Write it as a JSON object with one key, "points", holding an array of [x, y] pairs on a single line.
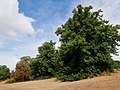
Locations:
{"points": [[98, 83]]}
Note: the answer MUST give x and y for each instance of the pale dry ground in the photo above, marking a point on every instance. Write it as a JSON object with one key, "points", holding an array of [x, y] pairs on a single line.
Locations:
{"points": [[98, 83]]}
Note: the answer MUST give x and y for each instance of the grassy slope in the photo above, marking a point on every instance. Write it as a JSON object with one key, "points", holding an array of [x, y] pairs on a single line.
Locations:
{"points": [[98, 83]]}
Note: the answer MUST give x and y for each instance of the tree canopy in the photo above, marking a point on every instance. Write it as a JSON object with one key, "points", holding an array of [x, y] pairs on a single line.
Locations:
{"points": [[45, 63], [87, 41]]}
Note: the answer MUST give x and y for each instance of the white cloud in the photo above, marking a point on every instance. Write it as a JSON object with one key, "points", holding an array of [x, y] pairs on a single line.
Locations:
{"points": [[9, 60], [1, 44], [39, 30], [110, 10], [13, 26], [27, 49], [12, 23], [12, 56]]}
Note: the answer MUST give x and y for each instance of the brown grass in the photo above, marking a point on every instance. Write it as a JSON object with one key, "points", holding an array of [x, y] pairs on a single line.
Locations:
{"points": [[98, 83]]}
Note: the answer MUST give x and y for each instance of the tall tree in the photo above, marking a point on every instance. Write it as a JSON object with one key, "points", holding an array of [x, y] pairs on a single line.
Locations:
{"points": [[87, 42], [45, 63]]}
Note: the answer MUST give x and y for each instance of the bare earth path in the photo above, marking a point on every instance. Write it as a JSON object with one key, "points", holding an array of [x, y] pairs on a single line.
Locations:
{"points": [[98, 83]]}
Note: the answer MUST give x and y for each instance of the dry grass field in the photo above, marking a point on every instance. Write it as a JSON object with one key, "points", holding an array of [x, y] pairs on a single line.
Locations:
{"points": [[98, 83]]}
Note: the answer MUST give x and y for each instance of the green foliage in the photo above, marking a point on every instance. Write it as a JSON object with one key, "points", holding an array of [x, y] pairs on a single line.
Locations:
{"points": [[4, 72], [87, 41], [21, 72], [45, 64], [116, 64], [90, 72]]}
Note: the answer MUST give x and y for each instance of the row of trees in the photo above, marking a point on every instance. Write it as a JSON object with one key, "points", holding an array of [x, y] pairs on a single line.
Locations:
{"points": [[87, 42]]}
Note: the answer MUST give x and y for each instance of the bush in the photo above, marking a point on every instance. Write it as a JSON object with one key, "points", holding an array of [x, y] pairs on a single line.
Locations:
{"points": [[116, 64], [89, 72], [12, 80], [21, 72], [4, 72]]}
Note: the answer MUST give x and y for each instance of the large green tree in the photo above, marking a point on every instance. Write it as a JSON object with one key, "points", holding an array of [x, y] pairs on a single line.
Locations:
{"points": [[45, 63], [87, 42], [4, 72]]}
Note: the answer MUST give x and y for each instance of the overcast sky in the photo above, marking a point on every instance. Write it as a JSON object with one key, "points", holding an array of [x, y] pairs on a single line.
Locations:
{"points": [[26, 24]]}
